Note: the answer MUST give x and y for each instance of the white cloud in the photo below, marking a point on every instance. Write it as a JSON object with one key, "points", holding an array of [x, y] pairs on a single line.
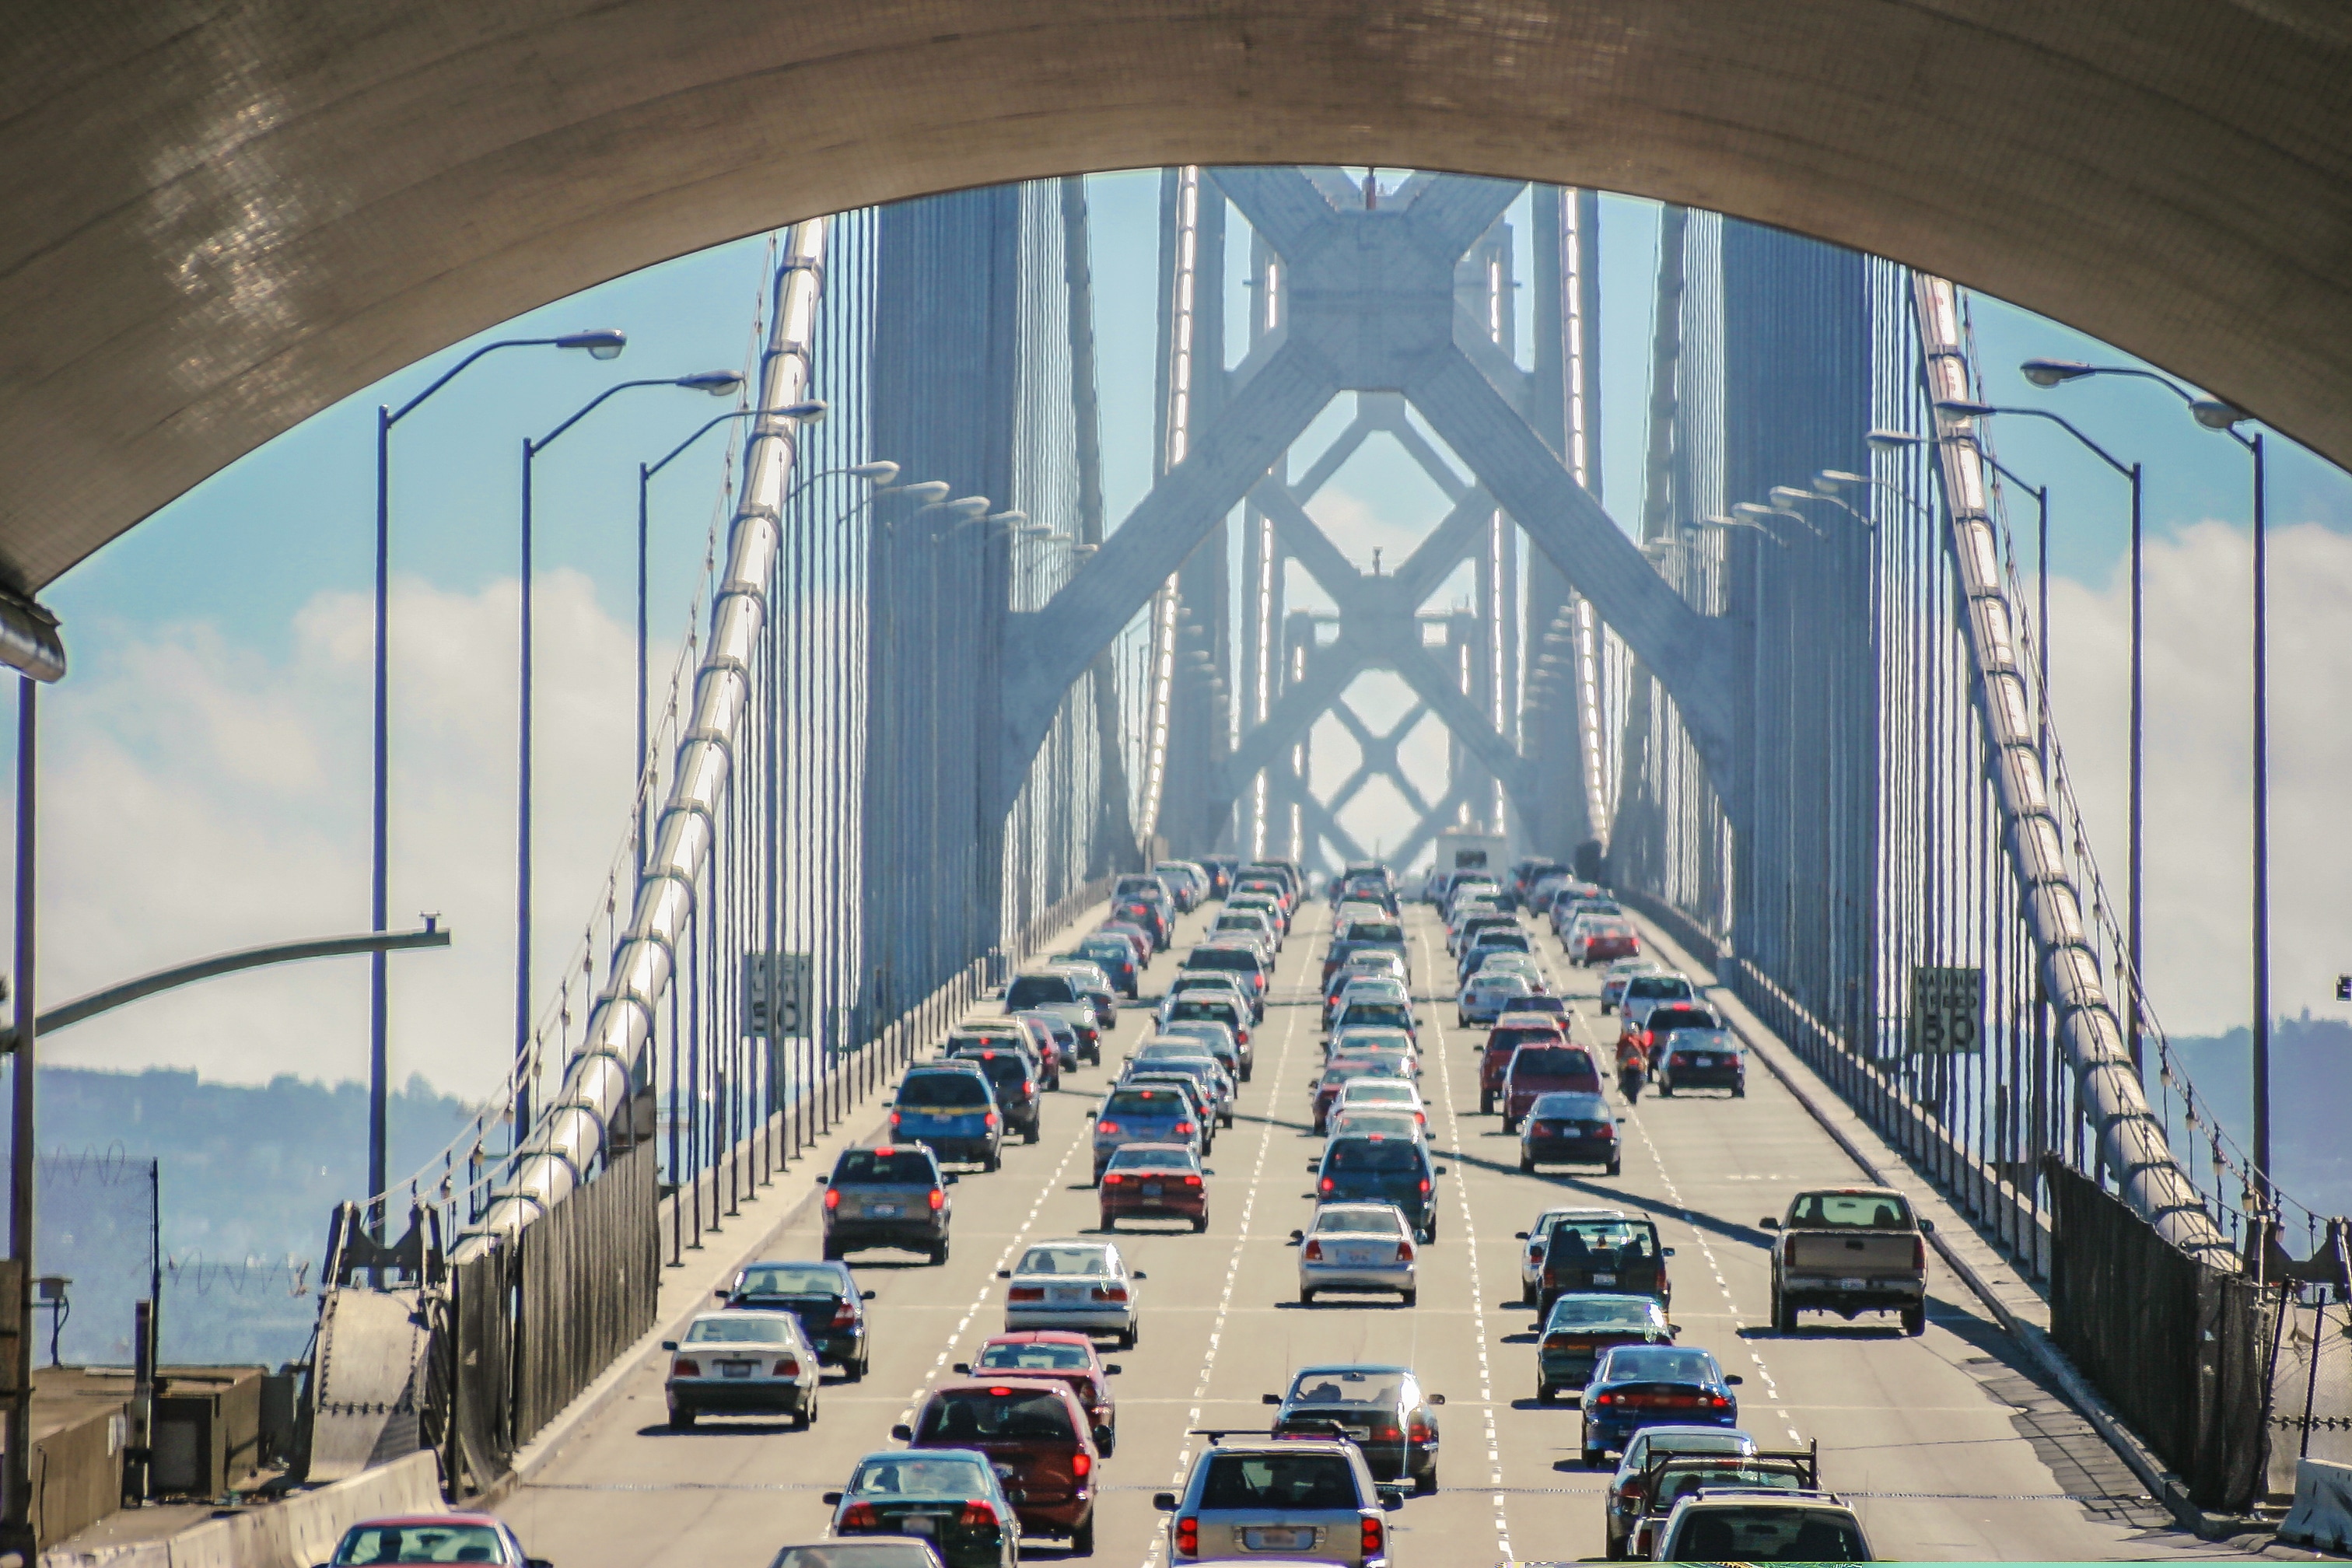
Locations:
{"points": [[2199, 760], [197, 796]]}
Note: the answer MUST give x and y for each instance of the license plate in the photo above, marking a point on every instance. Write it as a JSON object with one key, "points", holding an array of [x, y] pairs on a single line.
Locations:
{"points": [[1151, 1189], [1604, 1279], [1068, 1293], [1703, 1062], [1277, 1540], [734, 1369], [925, 1524], [884, 1211], [1854, 1284]]}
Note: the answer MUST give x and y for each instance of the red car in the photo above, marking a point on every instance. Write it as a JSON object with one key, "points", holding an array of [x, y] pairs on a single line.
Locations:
{"points": [[1511, 1031], [1064, 1357], [1033, 1426], [1154, 1181], [1144, 915], [1537, 1070]]}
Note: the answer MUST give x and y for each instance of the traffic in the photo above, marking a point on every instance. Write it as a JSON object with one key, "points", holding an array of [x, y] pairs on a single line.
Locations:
{"points": [[1500, 1030]]}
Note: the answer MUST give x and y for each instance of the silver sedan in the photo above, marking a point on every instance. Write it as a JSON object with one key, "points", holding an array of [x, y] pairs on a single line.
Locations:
{"points": [[1357, 1248], [1083, 1286]]}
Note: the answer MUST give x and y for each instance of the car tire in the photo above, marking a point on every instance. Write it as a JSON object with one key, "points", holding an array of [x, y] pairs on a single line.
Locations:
{"points": [[1915, 1319], [1784, 1317], [1596, 1458], [1739, 1091], [1081, 1540], [1486, 1103], [1543, 1392], [1410, 1298], [1031, 1134], [1425, 1484], [1615, 1170], [1510, 1123], [939, 1253], [1305, 1296], [680, 1419], [1129, 1335], [994, 1159], [832, 1251], [1200, 1224], [1527, 1162], [1666, 1089], [807, 1416], [856, 1370]]}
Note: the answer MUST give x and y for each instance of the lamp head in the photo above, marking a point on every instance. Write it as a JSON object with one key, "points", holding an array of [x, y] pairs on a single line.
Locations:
{"points": [[1829, 481], [1790, 494], [601, 343], [1008, 517], [968, 506], [1962, 408], [718, 383], [879, 473], [1750, 509], [925, 490], [1892, 440], [2215, 415], [810, 412], [2054, 371]]}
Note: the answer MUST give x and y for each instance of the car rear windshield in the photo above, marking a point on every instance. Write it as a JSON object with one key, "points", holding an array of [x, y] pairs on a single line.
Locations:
{"points": [[1378, 1012], [1574, 1107], [740, 1329], [1039, 1355], [1214, 1008], [1234, 958], [1590, 1236], [974, 1415], [1853, 1211], [1358, 1222], [1083, 1261], [1660, 1364], [942, 1088], [1115, 949], [1678, 1479], [1003, 1067], [911, 1475], [1293, 1482], [1553, 1061], [1769, 1535], [1371, 1154], [1512, 1037], [1145, 1102], [1376, 930], [894, 1167], [422, 1544], [1144, 1157], [857, 1554], [1348, 1386], [1651, 987], [1036, 990], [1633, 1313], [1664, 1018], [792, 1279]]}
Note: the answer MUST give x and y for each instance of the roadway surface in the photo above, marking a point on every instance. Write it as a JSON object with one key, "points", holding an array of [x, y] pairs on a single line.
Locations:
{"points": [[1943, 1442]]}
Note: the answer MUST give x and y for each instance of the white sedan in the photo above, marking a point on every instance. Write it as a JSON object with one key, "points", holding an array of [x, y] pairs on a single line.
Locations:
{"points": [[743, 1361], [1082, 1286], [1384, 1094]]}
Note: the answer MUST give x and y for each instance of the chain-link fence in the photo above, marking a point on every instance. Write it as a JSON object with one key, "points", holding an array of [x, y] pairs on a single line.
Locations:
{"points": [[2311, 1389], [95, 1228]]}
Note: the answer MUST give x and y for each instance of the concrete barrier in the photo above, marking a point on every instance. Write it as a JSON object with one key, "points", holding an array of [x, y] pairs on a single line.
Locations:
{"points": [[297, 1532], [2322, 1515]]}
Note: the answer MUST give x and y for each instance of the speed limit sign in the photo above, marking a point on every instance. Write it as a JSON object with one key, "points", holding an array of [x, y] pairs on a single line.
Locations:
{"points": [[1946, 1012]]}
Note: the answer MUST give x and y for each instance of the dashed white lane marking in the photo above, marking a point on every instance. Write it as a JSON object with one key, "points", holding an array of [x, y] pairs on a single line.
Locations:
{"points": [[1233, 1270], [1714, 1267], [1477, 1283]]}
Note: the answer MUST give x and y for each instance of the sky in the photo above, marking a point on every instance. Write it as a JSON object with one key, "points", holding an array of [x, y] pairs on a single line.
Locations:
{"points": [[205, 765]]}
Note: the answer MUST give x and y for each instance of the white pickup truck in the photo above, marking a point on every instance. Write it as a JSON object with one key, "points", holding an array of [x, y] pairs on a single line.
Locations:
{"points": [[1850, 1250]]}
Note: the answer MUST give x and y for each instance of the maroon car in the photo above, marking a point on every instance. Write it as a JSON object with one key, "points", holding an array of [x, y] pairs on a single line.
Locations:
{"points": [[1154, 1181], [1511, 1031], [1061, 1356], [1537, 1070], [1033, 1426]]}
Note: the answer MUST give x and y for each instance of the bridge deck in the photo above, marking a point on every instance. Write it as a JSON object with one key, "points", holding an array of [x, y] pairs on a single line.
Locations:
{"points": [[1948, 1445]]}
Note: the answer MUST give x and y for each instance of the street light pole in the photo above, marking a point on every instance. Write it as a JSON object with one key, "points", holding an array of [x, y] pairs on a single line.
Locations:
{"points": [[601, 344], [18, 1475], [718, 384]]}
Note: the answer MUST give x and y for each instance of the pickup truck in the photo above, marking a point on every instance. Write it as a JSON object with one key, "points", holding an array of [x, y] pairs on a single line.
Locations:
{"points": [[1850, 1250]]}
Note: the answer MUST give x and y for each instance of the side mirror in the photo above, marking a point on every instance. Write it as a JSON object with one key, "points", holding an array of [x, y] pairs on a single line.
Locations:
{"points": [[1091, 1114], [902, 1433], [1269, 1399], [1296, 1236], [1927, 1225], [1666, 1251], [1391, 1499], [1138, 1274], [1437, 1399], [1673, 1330], [722, 1292], [669, 1344], [1439, 1170], [1102, 1436], [537, 1563], [1731, 1378], [822, 1179], [1522, 1235], [1005, 1274], [833, 1499], [961, 1368], [1768, 1223], [947, 1179], [1164, 1501], [1206, 1171], [865, 1295], [1111, 1369]]}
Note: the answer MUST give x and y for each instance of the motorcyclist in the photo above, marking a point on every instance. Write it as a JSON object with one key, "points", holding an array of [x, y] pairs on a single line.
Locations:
{"points": [[1632, 1062]]}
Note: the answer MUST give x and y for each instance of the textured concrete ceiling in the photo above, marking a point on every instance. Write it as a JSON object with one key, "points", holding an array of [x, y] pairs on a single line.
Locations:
{"points": [[222, 217]]}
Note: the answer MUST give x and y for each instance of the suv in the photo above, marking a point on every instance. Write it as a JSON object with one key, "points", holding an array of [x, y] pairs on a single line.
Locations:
{"points": [[824, 1296], [1762, 1527], [893, 1195], [1606, 1251], [1510, 1032], [1143, 1113], [1035, 1428], [948, 1105], [1013, 1075], [1301, 1499], [1667, 1478], [1545, 1067], [1370, 1168]]}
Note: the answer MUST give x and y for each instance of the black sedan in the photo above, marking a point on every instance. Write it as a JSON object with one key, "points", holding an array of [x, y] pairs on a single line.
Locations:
{"points": [[1380, 1409], [1702, 1058], [1570, 1128], [824, 1296]]}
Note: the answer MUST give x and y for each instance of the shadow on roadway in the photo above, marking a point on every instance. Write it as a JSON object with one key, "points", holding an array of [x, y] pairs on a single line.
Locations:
{"points": [[1617, 1198]]}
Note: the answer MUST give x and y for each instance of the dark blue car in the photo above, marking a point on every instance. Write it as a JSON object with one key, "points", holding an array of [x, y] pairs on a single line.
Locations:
{"points": [[1633, 1387]]}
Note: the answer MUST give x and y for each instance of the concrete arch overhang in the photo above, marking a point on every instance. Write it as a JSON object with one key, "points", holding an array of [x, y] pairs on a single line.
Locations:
{"points": [[222, 216]]}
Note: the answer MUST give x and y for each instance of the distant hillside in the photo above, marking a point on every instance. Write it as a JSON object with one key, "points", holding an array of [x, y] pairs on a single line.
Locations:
{"points": [[248, 1176], [2311, 1101]]}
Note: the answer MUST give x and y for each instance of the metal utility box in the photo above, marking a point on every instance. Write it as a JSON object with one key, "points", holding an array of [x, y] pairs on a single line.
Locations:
{"points": [[207, 1433]]}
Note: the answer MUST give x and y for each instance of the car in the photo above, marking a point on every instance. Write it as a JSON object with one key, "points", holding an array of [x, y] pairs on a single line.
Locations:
{"points": [[1473, 921], [1033, 1427], [1143, 1113], [1060, 1356], [1566, 912], [1323, 1092], [1380, 1409], [1357, 1248], [1256, 1498], [1536, 1235], [1394, 1093], [1498, 938], [1633, 1387], [1376, 931], [1364, 988], [1624, 1496], [1603, 1250], [952, 1498], [1645, 993], [1368, 1168], [433, 1538], [1050, 989], [1556, 1008], [1012, 1075], [1701, 1059], [1579, 1330], [1601, 938], [1154, 1181], [888, 1551], [738, 1362], [1062, 1035], [1214, 1037], [1242, 961], [949, 1106], [1140, 945], [1154, 918], [1186, 1078], [1383, 1012], [1082, 1286], [1216, 1006], [824, 1296], [1251, 923], [1849, 1250], [1620, 975], [1541, 1067], [1753, 1526], [888, 1196], [1512, 1030], [1359, 1038], [1667, 1477], [1094, 983], [1571, 1129], [1186, 880], [1510, 961], [1361, 1120], [1114, 956], [1485, 997], [1180, 1053]]}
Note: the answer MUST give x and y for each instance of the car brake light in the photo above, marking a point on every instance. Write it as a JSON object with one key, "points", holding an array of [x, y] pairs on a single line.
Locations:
{"points": [[1602, 1399], [1919, 1252], [833, 1197], [1191, 1181], [1375, 1542], [1328, 1184], [1314, 1253], [894, 1118], [885, 1151], [860, 1516], [1106, 1126], [1107, 1293], [1184, 1127], [1028, 1087], [1420, 1430], [682, 1367], [1026, 1293], [1424, 1186], [1080, 1464], [1386, 1435], [1404, 1252], [788, 1369], [1606, 1133], [1718, 1402], [1112, 1178], [989, 1120], [843, 1315], [977, 1514], [1188, 1537], [938, 1199]]}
